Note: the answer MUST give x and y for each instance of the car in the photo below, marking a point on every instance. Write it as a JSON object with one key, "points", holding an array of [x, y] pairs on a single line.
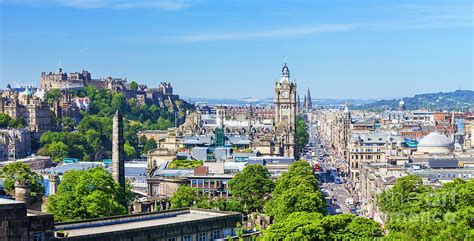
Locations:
{"points": [[354, 211]]}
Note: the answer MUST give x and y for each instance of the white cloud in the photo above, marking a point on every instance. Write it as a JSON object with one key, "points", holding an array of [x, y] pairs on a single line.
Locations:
{"points": [[112, 4], [275, 33], [410, 17]]}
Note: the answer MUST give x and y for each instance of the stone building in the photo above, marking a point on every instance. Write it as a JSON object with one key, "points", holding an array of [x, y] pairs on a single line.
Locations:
{"points": [[61, 80], [369, 148], [285, 114], [19, 223], [186, 224], [24, 105], [14, 143], [271, 131]]}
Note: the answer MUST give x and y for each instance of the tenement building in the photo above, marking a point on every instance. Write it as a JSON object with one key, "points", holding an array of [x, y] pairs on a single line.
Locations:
{"points": [[14, 143], [26, 106]]}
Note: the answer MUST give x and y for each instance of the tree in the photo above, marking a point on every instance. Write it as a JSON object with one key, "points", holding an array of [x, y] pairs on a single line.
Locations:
{"points": [[84, 194], [119, 102], [133, 86], [302, 135], [53, 95], [251, 186], [416, 211], [18, 171], [4, 120], [185, 196], [58, 151], [149, 145], [403, 197], [68, 124], [129, 150], [315, 226], [296, 191], [93, 139]]}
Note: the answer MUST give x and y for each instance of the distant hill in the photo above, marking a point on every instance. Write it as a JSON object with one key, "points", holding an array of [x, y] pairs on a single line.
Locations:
{"points": [[269, 101], [459, 100]]}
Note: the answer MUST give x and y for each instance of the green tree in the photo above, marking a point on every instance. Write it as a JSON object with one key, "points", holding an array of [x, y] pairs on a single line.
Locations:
{"points": [[133, 86], [53, 95], [119, 102], [163, 124], [296, 191], [149, 145], [58, 151], [416, 211], [129, 150], [84, 194], [68, 124], [93, 139], [185, 196], [302, 135], [17, 123], [252, 186], [315, 226], [4, 120], [18, 171]]}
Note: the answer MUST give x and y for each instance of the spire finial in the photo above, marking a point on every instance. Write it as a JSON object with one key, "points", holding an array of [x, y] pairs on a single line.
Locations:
{"points": [[59, 66], [284, 57]]}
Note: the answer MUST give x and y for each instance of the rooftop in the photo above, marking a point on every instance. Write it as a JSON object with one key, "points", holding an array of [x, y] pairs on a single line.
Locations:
{"points": [[138, 221]]}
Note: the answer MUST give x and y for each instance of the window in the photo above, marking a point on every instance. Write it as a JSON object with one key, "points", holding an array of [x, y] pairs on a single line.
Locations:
{"points": [[171, 239], [201, 237], [187, 238], [216, 234], [38, 236]]}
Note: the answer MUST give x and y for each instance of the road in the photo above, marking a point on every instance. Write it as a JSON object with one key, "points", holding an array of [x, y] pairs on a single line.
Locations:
{"points": [[340, 194], [336, 192]]}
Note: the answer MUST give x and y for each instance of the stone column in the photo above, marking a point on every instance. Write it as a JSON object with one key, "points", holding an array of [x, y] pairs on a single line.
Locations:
{"points": [[118, 165], [23, 191], [53, 184]]}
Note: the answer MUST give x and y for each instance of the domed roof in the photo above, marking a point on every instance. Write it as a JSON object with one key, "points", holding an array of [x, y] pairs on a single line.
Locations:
{"points": [[401, 103], [435, 139], [27, 92], [285, 72]]}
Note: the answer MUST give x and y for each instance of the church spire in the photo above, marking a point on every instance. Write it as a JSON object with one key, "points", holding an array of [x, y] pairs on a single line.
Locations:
{"points": [[298, 105], [309, 103]]}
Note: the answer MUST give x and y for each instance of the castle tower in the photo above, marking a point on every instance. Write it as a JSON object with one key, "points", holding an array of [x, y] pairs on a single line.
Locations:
{"points": [[118, 165], [285, 112]]}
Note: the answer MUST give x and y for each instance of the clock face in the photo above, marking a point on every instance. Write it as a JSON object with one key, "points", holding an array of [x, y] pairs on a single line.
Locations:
{"points": [[285, 94]]}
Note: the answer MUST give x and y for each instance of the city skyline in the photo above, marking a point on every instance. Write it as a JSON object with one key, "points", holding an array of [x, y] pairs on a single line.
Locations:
{"points": [[336, 49]]}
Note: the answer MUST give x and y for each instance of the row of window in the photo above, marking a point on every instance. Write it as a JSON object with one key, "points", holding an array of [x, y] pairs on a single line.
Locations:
{"points": [[208, 183], [367, 150], [216, 234], [367, 157]]}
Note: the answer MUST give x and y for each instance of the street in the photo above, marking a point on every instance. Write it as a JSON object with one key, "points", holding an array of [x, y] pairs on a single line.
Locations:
{"points": [[336, 194], [339, 194]]}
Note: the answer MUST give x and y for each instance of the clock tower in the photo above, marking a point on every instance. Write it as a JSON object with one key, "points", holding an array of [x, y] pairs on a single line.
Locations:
{"points": [[285, 113]]}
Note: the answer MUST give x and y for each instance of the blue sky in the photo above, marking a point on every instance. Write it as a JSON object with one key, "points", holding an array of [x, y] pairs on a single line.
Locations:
{"points": [[339, 49]]}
